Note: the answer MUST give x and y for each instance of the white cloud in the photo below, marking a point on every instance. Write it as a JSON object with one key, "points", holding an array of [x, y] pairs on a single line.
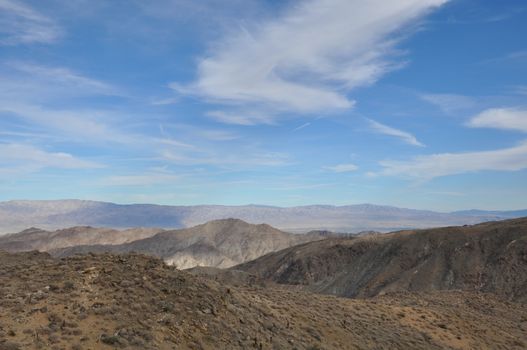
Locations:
{"points": [[215, 11], [27, 90], [449, 103], [63, 76], [172, 142], [79, 125], [15, 155], [305, 60], [147, 179], [198, 132], [446, 193], [241, 159], [501, 118], [30, 82], [300, 127], [437, 165], [387, 130], [241, 118], [342, 168], [218, 135], [21, 24], [28, 135], [520, 90], [511, 56], [517, 55]]}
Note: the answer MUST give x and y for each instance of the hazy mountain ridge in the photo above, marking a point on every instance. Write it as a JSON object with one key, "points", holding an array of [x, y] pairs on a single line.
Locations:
{"points": [[509, 214], [490, 257], [219, 243], [42, 240], [51, 215]]}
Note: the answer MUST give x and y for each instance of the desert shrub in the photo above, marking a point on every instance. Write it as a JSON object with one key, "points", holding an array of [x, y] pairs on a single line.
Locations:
{"points": [[314, 347], [69, 285], [110, 339], [53, 338], [9, 346]]}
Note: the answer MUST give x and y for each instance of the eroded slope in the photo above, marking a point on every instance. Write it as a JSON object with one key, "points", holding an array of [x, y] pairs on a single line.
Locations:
{"points": [[490, 257]]}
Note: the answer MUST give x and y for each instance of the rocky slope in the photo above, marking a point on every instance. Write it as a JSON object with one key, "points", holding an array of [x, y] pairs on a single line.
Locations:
{"points": [[137, 302], [219, 243], [51, 215], [490, 257], [42, 240]]}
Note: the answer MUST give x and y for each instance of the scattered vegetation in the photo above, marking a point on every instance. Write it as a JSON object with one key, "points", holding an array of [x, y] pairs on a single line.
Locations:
{"points": [[136, 302]]}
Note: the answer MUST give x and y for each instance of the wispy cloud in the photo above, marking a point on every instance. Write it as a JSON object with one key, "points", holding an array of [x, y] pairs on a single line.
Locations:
{"points": [[387, 130], [28, 135], [21, 24], [30, 92], [146, 179], [298, 186], [28, 81], [520, 90], [218, 135], [243, 159], [449, 103], [242, 117], [70, 124], [13, 155], [342, 168], [300, 127], [304, 61], [91, 126], [198, 132], [217, 12], [501, 118], [63, 76], [447, 193], [518, 56], [437, 165], [477, 17]]}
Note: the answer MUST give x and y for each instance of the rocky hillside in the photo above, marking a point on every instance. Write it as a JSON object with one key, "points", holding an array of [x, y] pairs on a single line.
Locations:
{"points": [[219, 243], [51, 215], [490, 257], [42, 240], [138, 302]]}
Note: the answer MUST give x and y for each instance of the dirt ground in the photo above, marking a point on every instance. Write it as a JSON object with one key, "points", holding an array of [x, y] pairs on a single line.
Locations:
{"points": [[137, 302]]}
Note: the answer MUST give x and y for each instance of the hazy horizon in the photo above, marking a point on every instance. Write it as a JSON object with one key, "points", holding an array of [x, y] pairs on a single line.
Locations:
{"points": [[260, 205], [412, 103]]}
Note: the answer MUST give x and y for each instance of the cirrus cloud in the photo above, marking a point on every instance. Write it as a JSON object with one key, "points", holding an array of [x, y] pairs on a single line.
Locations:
{"points": [[21, 24], [342, 168], [15, 155], [443, 164], [388, 130], [306, 60]]}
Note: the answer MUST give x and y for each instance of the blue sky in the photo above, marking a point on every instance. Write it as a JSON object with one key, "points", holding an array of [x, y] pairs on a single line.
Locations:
{"points": [[414, 103]]}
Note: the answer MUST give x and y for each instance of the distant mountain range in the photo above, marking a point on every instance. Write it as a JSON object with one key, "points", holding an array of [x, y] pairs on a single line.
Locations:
{"points": [[51, 215]]}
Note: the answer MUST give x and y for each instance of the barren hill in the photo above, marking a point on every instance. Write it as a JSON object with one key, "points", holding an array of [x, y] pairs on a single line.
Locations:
{"points": [[42, 240], [219, 243], [138, 302], [490, 257]]}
